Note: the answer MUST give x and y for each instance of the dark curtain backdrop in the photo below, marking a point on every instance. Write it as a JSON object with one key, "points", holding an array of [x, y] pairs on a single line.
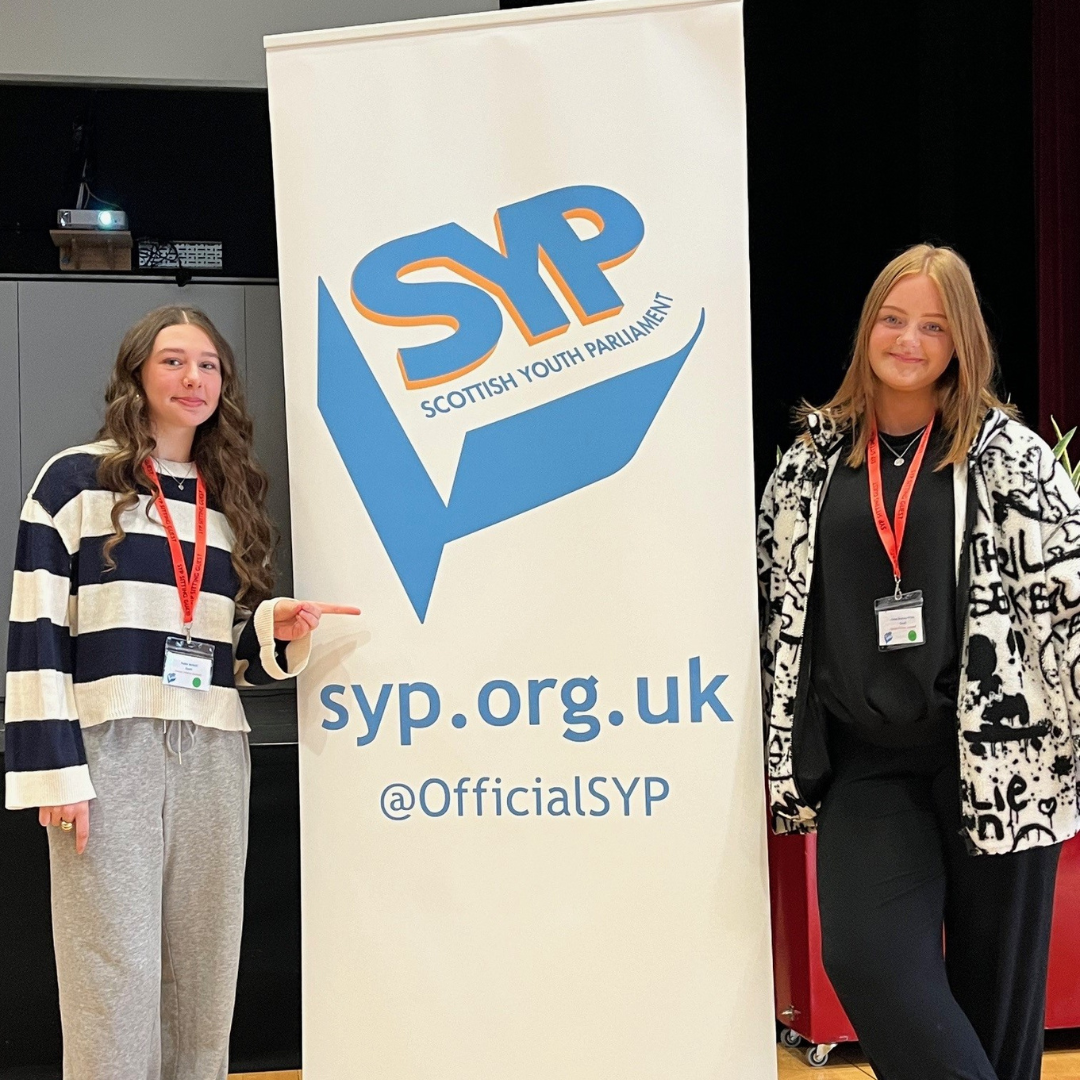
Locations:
{"points": [[871, 127], [1057, 191]]}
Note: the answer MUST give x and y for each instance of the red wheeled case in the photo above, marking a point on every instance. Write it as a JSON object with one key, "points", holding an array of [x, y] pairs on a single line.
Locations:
{"points": [[806, 1003], [1063, 981]]}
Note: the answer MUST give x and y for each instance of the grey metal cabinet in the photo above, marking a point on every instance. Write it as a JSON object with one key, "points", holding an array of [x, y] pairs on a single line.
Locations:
{"points": [[10, 475], [266, 402]]}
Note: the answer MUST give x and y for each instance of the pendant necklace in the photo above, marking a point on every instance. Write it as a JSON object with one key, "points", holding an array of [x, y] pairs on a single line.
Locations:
{"points": [[899, 455], [180, 481]]}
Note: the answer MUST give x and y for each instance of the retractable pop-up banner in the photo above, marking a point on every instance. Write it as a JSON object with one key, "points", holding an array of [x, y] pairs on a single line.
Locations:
{"points": [[515, 304]]}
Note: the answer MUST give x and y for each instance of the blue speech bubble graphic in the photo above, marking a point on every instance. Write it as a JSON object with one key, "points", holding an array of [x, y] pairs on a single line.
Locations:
{"points": [[506, 467]]}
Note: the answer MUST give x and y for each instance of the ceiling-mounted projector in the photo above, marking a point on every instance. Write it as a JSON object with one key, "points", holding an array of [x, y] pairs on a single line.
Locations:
{"points": [[91, 219]]}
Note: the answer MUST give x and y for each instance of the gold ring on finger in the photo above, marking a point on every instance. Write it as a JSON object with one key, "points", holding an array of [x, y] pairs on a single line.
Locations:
{"points": [[67, 826]]}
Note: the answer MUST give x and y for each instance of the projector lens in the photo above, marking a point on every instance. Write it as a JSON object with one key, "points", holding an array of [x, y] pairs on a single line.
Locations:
{"points": [[105, 218]]}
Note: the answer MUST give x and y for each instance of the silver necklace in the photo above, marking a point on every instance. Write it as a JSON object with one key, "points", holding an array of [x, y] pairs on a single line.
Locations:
{"points": [[180, 480], [898, 454]]}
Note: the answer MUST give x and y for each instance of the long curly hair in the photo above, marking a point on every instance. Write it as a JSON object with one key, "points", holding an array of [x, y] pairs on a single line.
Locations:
{"points": [[222, 452]]}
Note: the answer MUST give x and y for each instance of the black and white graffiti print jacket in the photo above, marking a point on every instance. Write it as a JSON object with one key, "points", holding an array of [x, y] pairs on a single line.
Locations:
{"points": [[1018, 624]]}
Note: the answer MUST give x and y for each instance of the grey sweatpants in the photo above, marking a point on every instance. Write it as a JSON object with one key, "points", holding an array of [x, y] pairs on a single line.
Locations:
{"points": [[146, 922]]}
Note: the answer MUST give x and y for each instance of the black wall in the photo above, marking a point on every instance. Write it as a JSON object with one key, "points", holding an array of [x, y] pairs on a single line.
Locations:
{"points": [[183, 164], [872, 127]]}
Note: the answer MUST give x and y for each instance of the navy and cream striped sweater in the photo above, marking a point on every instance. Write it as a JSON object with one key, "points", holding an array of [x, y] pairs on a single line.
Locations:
{"points": [[87, 644]]}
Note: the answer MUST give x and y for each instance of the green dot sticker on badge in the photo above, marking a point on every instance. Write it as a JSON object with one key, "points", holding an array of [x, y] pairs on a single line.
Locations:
{"points": [[197, 682], [912, 636]]}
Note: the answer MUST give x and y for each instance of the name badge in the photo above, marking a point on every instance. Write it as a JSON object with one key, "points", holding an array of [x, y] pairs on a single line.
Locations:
{"points": [[189, 664], [900, 621]]}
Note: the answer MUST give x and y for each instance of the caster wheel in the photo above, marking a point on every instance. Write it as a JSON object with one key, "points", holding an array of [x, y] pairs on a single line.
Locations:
{"points": [[818, 1056], [790, 1038]]}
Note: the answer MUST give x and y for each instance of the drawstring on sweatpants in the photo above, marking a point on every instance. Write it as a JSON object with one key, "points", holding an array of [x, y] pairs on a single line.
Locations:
{"points": [[167, 729]]}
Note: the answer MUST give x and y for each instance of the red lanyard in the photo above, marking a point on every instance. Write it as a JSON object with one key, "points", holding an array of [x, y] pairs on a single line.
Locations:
{"points": [[188, 587], [890, 540]]}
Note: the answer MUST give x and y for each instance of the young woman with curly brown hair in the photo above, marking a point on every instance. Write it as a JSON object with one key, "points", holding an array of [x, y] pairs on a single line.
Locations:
{"points": [[141, 600]]}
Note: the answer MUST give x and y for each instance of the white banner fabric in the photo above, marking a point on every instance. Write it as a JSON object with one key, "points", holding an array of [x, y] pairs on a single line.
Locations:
{"points": [[515, 306]]}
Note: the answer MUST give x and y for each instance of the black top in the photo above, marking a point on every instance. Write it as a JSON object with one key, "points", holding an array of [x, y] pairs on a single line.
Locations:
{"points": [[906, 697]]}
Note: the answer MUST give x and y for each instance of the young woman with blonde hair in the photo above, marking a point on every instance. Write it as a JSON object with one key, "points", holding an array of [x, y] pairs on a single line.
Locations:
{"points": [[142, 598], [919, 557]]}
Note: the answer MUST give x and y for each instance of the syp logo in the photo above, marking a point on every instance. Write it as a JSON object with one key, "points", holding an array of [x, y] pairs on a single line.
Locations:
{"points": [[530, 233], [522, 461]]}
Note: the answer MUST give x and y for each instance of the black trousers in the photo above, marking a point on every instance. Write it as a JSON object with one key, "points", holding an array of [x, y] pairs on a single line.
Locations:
{"points": [[893, 872]]}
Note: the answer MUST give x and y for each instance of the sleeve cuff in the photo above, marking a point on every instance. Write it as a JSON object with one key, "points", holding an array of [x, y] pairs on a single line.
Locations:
{"points": [[296, 652], [48, 787]]}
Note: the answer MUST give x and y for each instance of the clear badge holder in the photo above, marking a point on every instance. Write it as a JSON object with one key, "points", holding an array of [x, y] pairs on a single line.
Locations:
{"points": [[188, 664], [899, 621]]}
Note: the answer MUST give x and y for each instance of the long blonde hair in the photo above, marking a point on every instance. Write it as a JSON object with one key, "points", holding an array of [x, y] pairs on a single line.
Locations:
{"points": [[966, 389], [222, 452]]}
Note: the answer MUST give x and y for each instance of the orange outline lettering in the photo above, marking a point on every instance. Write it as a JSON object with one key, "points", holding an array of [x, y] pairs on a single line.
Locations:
{"points": [[590, 215], [419, 384], [446, 263]]}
